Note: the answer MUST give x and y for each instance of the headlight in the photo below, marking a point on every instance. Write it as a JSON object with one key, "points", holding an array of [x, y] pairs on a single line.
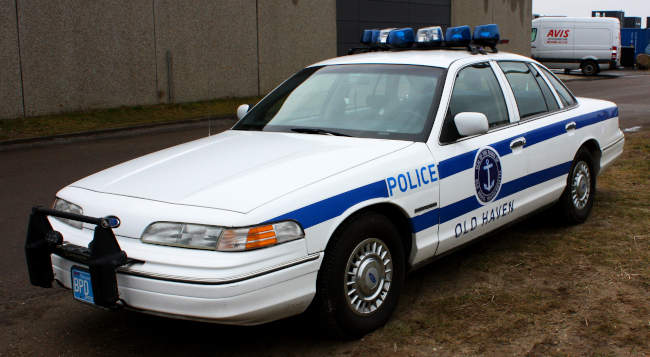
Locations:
{"points": [[219, 238], [65, 206]]}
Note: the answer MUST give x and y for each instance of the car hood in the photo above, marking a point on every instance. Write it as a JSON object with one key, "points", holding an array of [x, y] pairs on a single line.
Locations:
{"points": [[237, 170]]}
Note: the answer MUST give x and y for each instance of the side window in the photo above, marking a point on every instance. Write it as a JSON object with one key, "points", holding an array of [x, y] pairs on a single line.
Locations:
{"points": [[551, 103], [528, 95], [566, 97], [533, 34], [476, 89]]}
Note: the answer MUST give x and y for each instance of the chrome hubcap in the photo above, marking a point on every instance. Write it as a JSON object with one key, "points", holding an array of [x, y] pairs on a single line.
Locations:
{"points": [[368, 276], [581, 185]]}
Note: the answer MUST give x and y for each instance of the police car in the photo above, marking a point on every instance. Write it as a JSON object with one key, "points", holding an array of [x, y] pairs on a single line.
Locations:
{"points": [[344, 178]]}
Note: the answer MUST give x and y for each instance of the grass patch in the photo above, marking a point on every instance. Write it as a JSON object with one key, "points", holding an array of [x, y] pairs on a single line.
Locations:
{"points": [[123, 117]]}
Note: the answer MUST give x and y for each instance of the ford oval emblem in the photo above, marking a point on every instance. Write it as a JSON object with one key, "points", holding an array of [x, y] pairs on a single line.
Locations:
{"points": [[372, 278], [112, 221]]}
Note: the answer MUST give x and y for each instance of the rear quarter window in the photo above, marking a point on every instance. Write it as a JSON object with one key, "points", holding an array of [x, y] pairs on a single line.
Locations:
{"points": [[565, 95]]}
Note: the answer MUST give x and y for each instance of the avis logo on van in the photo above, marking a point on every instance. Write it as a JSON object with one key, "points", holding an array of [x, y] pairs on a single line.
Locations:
{"points": [[558, 33], [560, 37]]}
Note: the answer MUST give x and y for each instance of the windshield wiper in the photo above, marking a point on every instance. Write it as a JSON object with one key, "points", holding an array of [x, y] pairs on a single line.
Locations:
{"points": [[317, 131]]}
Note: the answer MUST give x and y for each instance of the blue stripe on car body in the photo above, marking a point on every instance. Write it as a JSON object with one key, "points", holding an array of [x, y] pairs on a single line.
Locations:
{"points": [[334, 206]]}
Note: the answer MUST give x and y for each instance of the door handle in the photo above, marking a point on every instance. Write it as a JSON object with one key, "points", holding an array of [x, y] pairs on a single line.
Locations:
{"points": [[570, 126], [519, 142]]}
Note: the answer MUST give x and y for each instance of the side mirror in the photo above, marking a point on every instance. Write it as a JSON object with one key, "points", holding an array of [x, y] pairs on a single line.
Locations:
{"points": [[471, 123], [242, 110]]}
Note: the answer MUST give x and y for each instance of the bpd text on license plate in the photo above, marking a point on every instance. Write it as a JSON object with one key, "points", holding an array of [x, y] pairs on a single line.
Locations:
{"points": [[82, 286]]}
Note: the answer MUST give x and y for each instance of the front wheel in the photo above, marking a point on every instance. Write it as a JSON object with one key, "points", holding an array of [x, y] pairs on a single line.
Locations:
{"points": [[578, 196], [361, 277]]}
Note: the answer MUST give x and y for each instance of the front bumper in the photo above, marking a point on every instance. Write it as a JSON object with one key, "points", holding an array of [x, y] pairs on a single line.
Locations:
{"points": [[259, 299], [243, 298]]}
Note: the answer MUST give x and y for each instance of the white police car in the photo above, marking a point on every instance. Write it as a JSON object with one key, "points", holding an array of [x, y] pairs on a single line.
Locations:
{"points": [[334, 186]]}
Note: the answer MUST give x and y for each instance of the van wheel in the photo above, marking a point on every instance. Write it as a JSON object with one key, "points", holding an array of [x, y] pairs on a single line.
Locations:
{"points": [[361, 277], [578, 197], [590, 68]]}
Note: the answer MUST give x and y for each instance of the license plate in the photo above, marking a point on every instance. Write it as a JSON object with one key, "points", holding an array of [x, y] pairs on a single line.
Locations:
{"points": [[82, 286]]}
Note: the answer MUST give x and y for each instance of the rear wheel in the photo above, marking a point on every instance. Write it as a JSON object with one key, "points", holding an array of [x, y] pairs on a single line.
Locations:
{"points": [[578, 196], [590, 68], [361, 276]]}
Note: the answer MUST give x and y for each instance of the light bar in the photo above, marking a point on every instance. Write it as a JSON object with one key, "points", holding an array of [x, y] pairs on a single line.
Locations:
{"points": [[429, 36], [458, 36], [401, 38], [486, 35]]}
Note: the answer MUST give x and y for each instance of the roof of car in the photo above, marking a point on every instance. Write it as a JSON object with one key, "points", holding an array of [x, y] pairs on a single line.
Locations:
{"points": [[434, 58]]}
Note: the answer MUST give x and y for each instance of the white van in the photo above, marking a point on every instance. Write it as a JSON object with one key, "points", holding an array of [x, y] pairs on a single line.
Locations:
{"points": [[587, 43]]}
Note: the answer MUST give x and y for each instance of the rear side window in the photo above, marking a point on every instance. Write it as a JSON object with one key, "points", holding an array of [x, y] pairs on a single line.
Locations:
{"points": [[476, 89], [551, 103], [529, 96], [566, 97]]}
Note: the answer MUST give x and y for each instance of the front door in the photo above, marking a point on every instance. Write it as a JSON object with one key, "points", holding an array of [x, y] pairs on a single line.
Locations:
{"points": [[475, 172]]}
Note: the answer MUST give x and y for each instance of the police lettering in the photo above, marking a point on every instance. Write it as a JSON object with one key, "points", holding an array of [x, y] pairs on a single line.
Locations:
{"points": [[412, 179]]}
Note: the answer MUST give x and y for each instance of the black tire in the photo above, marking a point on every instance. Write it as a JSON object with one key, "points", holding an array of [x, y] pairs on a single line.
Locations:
{"points": [[590, 68], [576, 201], [337, 314]]}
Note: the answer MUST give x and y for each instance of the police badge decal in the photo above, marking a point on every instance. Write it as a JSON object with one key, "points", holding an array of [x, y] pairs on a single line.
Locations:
{"points": [[487, 174]]}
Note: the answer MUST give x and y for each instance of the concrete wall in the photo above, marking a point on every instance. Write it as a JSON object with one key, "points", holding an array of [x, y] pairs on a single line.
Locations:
{"points": [[79, 54], [514, 18], [213, 48], [10, 85], [292, 35]]}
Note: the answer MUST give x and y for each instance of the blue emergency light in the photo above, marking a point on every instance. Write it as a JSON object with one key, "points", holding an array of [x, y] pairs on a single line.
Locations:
{"points": [[368, 35], [401, 38], [486, 35], [458, 36]]}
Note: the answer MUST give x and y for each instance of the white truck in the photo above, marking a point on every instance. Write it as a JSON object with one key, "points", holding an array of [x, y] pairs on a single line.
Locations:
{"points": [[586, 43]]}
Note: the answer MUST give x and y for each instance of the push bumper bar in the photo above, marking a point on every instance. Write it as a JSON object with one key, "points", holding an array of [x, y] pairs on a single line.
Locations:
{"points": [[103, 255]]}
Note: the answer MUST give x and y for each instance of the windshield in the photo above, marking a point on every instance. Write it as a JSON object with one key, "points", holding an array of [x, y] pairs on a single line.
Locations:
{"points": [[373, 101]]}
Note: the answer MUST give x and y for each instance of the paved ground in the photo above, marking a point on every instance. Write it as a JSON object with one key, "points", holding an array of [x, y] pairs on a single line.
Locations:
{"points": [[630, 92], [38, 321]]}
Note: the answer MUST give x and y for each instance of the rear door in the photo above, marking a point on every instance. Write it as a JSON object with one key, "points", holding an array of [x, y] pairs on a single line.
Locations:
{"points": [[593, 41], [542, 124], [473, 170]]}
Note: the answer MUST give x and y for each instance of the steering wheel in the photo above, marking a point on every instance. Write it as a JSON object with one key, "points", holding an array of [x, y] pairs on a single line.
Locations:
{"points": [[408, 118]]}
